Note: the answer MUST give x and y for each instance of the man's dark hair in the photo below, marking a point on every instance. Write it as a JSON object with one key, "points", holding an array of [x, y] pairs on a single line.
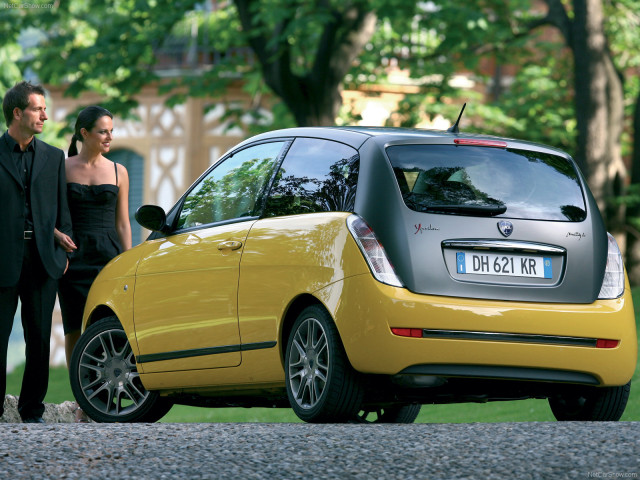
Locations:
{"points": [[18, 97]]}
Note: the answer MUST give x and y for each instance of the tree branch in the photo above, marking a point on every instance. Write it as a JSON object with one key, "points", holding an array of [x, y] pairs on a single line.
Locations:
{"points": [[557, 16], [342, 40], [275, 62]]}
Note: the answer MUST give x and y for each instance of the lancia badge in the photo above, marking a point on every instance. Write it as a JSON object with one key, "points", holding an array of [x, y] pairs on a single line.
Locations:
{"points": [[506, 228]]}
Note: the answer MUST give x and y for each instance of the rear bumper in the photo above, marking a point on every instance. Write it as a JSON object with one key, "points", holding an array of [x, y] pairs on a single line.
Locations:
{"points": [[488, 337]]}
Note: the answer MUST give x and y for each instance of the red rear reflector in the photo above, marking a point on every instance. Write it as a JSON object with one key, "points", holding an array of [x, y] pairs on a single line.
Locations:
{"points": [[480, 143], [604, 343], [407, 332]]}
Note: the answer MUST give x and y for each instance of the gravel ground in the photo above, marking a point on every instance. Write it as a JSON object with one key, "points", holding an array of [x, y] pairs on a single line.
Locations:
{"points": [[292, 451]]}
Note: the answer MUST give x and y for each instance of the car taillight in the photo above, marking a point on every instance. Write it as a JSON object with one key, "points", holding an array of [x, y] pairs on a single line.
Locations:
{"points": [[372, 251], [613, 282], [480, 143]]}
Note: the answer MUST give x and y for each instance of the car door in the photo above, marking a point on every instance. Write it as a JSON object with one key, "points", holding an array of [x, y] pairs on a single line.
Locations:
{"points": [[185, 301], [299, 243]]}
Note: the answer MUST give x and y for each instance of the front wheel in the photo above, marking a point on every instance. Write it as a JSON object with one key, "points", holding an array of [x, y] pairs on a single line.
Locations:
{"points": [[591, 404], [105, 381], [321, 384]]}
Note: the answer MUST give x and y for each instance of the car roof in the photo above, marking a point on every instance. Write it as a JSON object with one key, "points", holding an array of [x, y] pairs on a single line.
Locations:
{"points": [[355, 136]]}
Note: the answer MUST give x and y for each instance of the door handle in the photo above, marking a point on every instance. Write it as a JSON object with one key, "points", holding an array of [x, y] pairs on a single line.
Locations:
{"points": [[229, 245]]}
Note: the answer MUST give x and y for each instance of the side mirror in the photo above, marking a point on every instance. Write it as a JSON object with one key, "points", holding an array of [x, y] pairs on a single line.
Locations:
{"points": [[152, 218]]}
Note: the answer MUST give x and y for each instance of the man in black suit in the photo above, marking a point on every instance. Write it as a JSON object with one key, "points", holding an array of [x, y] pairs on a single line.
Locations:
{"points": [[33, 201]]}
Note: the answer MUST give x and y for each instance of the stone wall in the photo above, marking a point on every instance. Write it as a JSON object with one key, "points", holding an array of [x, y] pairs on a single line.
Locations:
{"points": [[53, 413]]}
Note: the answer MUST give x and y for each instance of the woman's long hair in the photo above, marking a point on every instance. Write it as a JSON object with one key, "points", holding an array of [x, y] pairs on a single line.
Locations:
{"points": [[87, 118]]}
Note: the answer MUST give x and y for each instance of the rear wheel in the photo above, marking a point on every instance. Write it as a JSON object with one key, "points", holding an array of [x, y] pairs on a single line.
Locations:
{"points": [[321, 384], [394, 414], [105, 380], [591, 404]]}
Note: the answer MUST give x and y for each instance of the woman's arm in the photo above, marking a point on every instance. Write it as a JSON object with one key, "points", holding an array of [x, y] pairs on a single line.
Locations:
{"points": [[123, 227], [64, 241]]}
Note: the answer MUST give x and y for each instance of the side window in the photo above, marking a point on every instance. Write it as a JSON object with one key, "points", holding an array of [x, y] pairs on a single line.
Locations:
{"points": [[316, 176], [233, 188]]}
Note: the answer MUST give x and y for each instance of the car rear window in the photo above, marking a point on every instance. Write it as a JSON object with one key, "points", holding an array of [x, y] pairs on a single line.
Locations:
{"points": [[472, 180]]}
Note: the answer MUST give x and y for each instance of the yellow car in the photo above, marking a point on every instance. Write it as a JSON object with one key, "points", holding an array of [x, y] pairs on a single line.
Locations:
{"points": [[355, 274]]}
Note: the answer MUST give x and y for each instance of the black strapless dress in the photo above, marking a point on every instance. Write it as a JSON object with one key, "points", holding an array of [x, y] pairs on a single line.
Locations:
{"points": [[93, 218]]}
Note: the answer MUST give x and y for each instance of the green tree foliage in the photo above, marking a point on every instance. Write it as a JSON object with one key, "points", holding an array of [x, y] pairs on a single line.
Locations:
{"points": [[10, 74], [110, 48], [301, 50], [100, 47]]}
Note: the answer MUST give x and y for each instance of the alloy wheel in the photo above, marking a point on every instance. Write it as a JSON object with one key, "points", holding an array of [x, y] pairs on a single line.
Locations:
{"points": [[108, 376], [309, 363]]}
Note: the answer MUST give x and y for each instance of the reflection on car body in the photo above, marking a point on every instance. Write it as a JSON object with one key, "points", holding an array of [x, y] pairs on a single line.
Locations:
{"points": [[355, 274]]}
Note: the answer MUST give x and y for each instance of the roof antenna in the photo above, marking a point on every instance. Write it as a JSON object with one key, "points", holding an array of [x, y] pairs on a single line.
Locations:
{"points": [[454, 128]]}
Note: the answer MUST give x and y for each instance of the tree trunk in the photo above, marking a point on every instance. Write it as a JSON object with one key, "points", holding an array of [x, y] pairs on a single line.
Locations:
{"points": [[599, 110], [599, 105], [633, 234], [315, 97]]}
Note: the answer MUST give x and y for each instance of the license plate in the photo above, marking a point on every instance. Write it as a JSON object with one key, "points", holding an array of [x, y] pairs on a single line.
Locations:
{"points": [[506, 265]]}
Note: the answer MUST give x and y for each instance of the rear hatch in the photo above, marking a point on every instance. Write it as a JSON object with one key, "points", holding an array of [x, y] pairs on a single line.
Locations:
{"points": [[485, 218]]}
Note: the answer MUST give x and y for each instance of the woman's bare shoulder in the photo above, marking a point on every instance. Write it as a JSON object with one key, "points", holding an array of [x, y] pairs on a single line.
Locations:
{"points": [[122, 170]]}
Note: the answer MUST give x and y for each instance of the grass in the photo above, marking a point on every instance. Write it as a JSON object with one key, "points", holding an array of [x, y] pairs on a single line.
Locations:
{"points": [[514, 411]]}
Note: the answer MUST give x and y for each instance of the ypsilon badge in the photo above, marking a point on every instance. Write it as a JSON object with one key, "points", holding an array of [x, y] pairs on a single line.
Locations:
{"points": [[506, 228]]}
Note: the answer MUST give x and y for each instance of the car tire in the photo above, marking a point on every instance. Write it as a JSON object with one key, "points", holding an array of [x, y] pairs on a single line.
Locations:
{"points": [[591, 404], [105, 381], [321, 384], [394, 414]]}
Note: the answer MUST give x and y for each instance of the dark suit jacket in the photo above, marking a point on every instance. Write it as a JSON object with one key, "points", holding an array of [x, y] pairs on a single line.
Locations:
{"points": [[48, 207]]}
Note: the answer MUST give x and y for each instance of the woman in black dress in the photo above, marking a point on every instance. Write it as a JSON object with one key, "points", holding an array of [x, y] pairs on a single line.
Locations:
{"points": [[98, 194]]}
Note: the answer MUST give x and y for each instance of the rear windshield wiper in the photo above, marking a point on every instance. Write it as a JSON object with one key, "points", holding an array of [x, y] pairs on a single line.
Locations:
{"points": [[480, 210]]}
